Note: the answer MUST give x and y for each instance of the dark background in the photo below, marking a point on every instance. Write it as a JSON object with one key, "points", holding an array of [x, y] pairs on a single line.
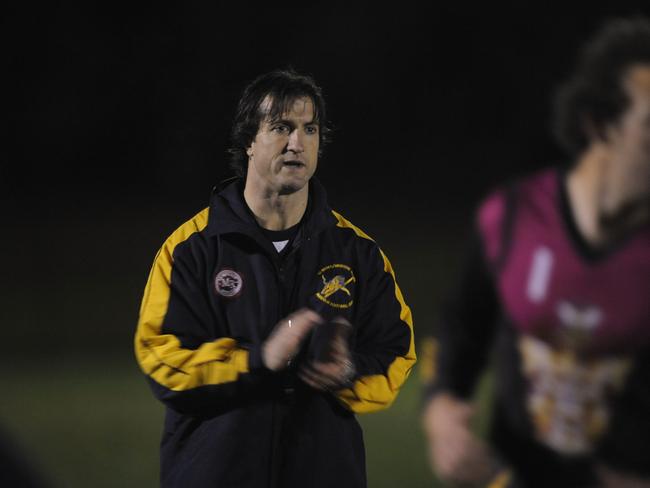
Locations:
{"points": [[116, 128], [118, 120]]}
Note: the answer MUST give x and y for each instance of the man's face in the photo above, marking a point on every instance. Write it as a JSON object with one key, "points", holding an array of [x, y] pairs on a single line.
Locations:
{"points": [[628, 140], [284, 154]]}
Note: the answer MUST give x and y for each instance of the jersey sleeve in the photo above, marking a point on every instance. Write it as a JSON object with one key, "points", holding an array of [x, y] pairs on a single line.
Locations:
{"points": [[463, 335], [625, 446], [383, 351], [190, 368], [465, 330]]}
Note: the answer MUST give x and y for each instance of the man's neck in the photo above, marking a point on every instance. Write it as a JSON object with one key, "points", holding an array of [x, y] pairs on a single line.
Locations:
{"points": [[600, 206], [275, 211]]}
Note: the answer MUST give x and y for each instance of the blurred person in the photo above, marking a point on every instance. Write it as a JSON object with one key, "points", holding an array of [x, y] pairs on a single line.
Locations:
{"points": [[269, 320], [557, 286], [16, 469]]}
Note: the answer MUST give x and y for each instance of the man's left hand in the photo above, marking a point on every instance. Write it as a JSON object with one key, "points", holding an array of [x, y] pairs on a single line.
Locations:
{"points": [[335, 373]]}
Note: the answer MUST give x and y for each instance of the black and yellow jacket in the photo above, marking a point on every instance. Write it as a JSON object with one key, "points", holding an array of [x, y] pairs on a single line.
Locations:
{"points": [[216, 290]]}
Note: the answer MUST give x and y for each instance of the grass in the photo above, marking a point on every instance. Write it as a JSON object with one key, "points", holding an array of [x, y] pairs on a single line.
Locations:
{"points": [[94, 423], [85, 423]]}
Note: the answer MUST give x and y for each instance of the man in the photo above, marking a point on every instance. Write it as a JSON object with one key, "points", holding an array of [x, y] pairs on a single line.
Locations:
{"points": [[559, 280], [268, 319]]}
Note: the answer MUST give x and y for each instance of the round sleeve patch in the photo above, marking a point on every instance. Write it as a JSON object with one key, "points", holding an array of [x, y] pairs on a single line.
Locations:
{"points": [[228, 283]]}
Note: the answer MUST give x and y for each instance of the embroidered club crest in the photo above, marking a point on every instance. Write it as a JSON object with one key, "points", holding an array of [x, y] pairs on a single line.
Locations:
{"points": [[228, 283], [337, 282]]}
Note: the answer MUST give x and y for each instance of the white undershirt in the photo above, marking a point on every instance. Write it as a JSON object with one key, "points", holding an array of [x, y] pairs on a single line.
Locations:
{"points": [[280, 245]]}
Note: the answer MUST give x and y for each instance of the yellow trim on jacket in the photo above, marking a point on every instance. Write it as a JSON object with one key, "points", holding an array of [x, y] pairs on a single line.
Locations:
{"points": [[376, 392], [161, 356]]}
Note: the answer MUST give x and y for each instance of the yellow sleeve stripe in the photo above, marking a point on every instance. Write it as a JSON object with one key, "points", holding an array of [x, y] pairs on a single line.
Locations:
{"points": [[161, 356], [375, 392]]}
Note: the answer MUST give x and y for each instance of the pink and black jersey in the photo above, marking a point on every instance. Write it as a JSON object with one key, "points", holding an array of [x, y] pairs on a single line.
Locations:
{"points": [[571, 326]]}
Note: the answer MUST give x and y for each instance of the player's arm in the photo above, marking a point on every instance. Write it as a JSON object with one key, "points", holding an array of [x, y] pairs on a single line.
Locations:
{"points": [[461, 342], [384, 350], [465, 330], [367, 375], [188, 368], [190, 365], [623, 452]]}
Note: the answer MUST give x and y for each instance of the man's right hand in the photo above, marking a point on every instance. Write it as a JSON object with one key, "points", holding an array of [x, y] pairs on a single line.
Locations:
{"points": [[455, 453], [287, 336]]}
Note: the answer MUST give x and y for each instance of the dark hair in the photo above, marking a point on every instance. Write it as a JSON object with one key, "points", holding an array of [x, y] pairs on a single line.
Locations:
{"points": [[282, 87], [595, 94]]}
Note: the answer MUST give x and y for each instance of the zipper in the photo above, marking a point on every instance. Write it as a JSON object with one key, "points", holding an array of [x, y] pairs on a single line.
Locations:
{"points": [[278, 409]]}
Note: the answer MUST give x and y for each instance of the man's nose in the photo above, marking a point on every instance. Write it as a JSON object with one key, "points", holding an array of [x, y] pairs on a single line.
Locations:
{"points": [[295, 142]]}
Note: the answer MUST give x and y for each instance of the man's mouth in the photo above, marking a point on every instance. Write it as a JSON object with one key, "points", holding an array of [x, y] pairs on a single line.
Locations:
{"points": [[294, 164]]}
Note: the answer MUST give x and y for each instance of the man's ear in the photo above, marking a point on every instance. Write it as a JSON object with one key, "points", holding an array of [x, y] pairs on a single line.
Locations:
{"points": [[249, 151]]}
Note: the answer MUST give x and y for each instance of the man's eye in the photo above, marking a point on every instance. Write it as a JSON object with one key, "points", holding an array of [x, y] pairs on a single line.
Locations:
{"points": [[280, 129], [312, 129]]}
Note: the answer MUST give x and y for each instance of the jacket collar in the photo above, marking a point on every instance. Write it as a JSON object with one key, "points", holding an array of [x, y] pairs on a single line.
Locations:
{"points": [[230, 214]]}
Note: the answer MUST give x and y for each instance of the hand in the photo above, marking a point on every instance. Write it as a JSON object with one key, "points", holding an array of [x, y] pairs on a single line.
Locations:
{"points": [[337, 370], [609, 478], [455, 453], [287, 336]]}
